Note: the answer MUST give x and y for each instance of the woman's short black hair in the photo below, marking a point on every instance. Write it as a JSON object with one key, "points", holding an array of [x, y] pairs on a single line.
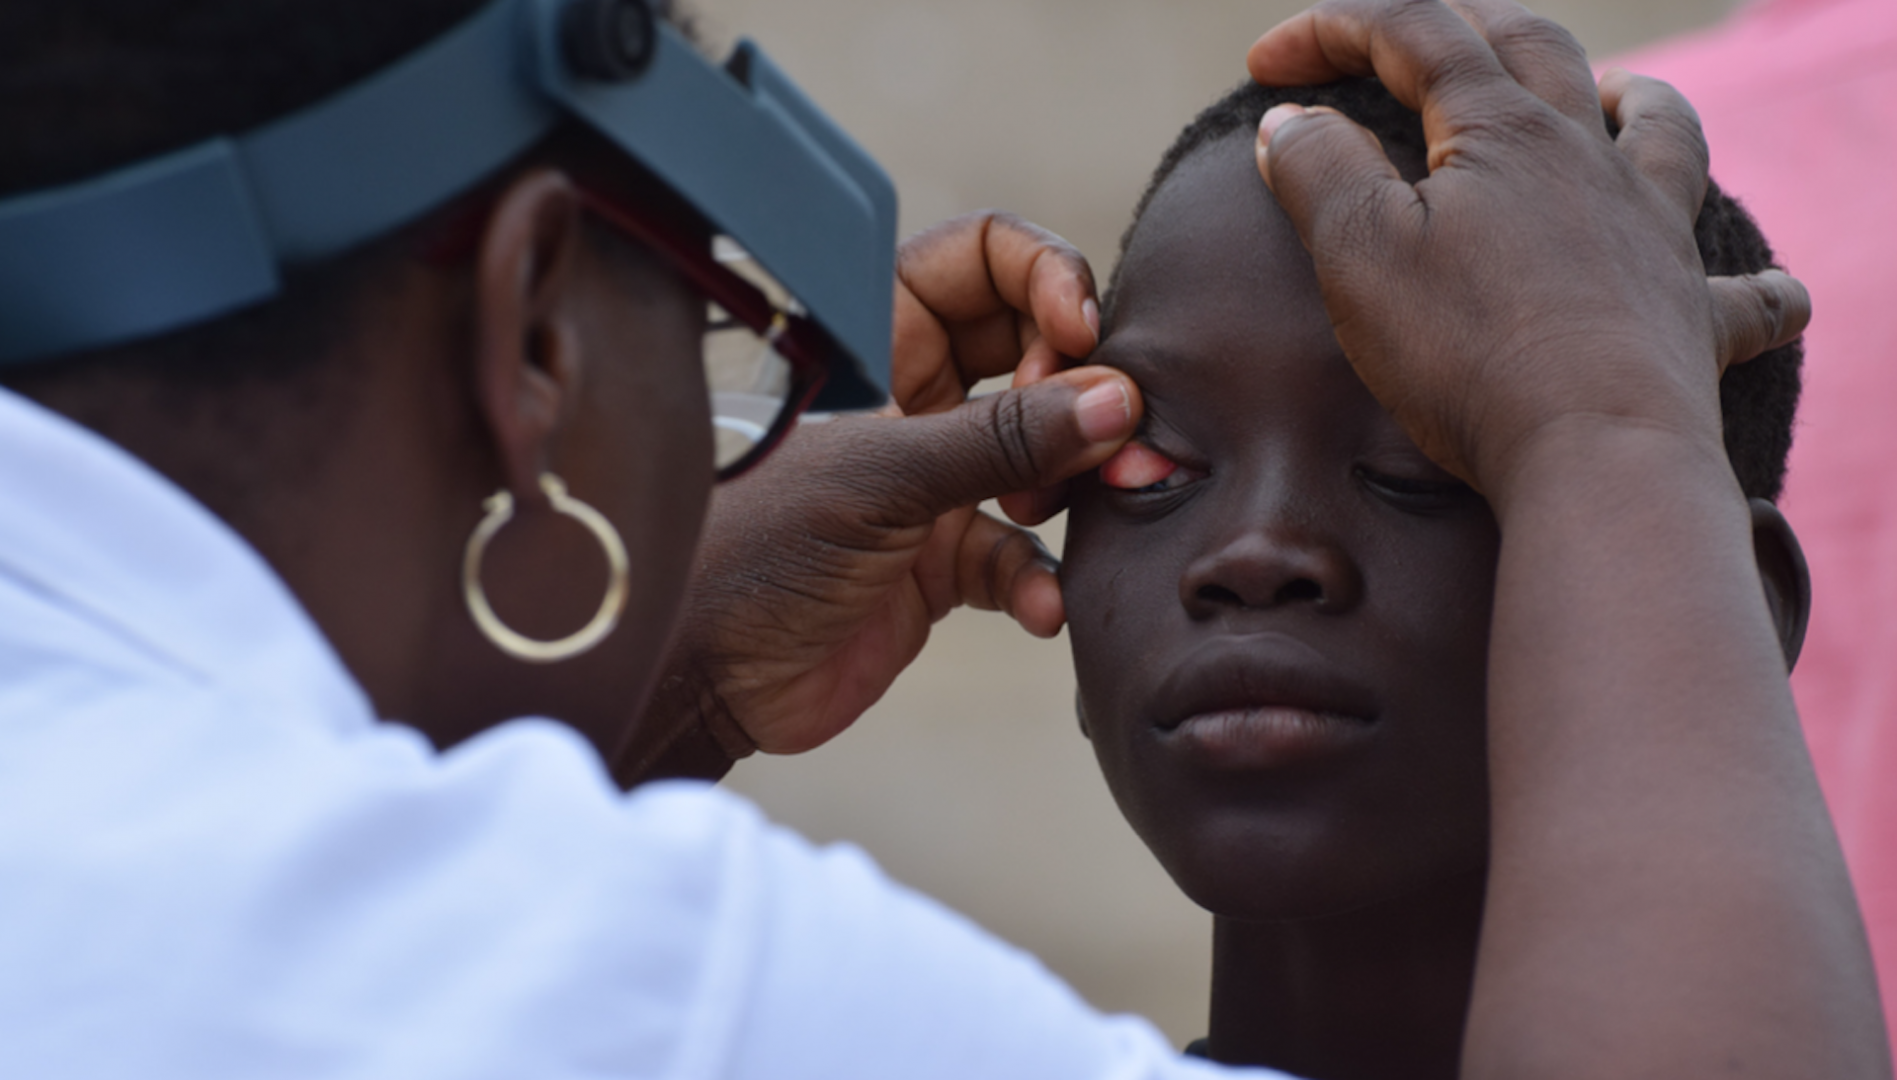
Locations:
{"points": [[1759, 399]]}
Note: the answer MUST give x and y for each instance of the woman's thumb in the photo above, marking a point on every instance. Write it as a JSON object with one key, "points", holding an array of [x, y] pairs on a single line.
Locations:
{"points": [[1013, 441]]}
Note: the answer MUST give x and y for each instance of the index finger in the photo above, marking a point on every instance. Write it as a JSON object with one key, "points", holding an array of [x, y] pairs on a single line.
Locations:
{"points": [[1429, 57], [979, 267], [1540, 54], [1660, 134]]}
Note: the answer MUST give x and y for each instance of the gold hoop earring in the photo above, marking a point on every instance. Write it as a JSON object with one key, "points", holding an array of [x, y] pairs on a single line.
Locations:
{"points": [[500, 510]]}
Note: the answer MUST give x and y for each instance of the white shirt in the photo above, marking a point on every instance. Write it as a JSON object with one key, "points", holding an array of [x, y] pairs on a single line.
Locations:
{"points": [[216, 862]]}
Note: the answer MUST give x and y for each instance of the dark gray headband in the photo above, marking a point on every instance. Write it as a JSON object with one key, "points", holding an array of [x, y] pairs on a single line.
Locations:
{"points": [[202, 232]]}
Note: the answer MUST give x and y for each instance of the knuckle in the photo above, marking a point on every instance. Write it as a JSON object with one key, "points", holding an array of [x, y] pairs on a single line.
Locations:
{"points": [[918, 245], [1779, 308], [1314, 159], [1004, 221], [997, 564], [1347, 9], [1749, 315], [1418, 14], [1010, 440], [1353, 225], [922, 246], [1770, 302], [1668, 145], [1045, 241], [1654, 106], [1660, 95], [1682, 127], [1527, 32], [1455, 71], [1510, 126]]}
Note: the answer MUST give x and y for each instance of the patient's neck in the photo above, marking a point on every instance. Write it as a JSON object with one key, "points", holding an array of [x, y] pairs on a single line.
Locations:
{"points": [[1376, 992]]}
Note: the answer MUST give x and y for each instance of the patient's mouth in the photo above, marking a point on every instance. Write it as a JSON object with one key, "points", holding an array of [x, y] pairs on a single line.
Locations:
{"points": [[1265, 736], [1260, 702]]}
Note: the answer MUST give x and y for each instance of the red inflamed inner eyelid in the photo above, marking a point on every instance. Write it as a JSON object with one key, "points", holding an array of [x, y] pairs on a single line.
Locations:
{"points": [[1136, 466]]}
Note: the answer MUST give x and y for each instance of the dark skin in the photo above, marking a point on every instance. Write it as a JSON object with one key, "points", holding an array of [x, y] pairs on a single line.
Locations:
{"points": [[1270, 549]]}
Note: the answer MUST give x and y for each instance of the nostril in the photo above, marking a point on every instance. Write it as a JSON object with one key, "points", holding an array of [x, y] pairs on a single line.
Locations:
{"points": [[1271, 570], [1300, 589], [1219, 595]]}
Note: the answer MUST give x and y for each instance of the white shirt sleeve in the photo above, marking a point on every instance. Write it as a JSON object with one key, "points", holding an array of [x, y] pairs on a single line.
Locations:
{"points": [[850, 975], [220, 896]]}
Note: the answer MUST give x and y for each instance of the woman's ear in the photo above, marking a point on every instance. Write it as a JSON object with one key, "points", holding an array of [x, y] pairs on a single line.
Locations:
{"points": [[527, 351], [1786, 578]]}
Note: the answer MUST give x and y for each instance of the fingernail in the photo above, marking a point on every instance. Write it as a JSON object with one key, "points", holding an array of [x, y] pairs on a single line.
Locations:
{"points": [[1090, 311], [1104, 413], [1275, 118]]}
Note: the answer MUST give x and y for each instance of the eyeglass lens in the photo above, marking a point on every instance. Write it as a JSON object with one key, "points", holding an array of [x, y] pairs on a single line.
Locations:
{"points": [[751, 384]]}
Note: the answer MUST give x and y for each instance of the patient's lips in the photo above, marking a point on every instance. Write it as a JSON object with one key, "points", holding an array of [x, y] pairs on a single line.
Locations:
{"points": [[1266, 736], [1261, 703]]}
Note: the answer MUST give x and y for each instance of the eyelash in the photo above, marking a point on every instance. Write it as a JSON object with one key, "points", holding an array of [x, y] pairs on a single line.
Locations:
{"points": [[1424, 494]]}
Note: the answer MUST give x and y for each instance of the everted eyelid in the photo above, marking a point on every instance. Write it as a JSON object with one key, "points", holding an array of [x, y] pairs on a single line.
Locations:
{"points": [[1137, 466]]}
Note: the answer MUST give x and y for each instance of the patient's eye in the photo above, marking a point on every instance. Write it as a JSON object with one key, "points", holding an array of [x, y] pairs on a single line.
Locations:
{"points": [[1419, 494], [1140, 468]]}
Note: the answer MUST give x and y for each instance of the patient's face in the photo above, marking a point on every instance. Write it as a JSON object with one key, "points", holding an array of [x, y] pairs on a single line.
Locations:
{"points": [[1279, 607]]}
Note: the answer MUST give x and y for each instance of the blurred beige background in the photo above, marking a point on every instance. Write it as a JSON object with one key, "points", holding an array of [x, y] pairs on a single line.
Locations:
{"points": [[970, 781]]}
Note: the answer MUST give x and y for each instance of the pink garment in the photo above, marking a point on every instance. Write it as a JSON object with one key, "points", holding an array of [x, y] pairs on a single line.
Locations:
{"points": [[1799, 102]]}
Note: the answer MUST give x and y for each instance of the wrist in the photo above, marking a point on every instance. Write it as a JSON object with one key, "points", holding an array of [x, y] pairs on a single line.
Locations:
{"points": [[692, 729], [690, 695], [1611, 459]]}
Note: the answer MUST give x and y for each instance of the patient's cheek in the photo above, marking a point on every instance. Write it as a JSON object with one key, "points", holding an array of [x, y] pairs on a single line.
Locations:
{"points": [[1136, 466]]}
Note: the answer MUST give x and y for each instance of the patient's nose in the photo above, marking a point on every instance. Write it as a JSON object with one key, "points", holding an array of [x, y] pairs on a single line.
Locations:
{"points": [[1271, 567]]}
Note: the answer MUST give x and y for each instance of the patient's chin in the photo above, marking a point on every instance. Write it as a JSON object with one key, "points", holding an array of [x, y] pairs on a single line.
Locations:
{"points": [[1265, 871]]}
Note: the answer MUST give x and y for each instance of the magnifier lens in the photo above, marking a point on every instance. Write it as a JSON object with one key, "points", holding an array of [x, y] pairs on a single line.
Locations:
{"points": [[751, 384]]}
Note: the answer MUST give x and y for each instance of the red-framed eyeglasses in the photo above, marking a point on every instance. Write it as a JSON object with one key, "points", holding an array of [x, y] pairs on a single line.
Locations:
{"points": [[764, 360]]}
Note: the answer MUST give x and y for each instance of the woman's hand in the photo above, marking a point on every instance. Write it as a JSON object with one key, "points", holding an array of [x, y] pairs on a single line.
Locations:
{"points": [[821, 572], [1544, 272]]}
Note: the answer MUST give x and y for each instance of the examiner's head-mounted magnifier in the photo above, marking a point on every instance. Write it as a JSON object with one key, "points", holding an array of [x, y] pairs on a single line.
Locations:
{"points": [[799, 276]]}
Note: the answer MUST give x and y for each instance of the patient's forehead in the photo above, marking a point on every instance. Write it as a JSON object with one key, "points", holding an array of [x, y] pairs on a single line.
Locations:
{"points": [[1215, 269]]}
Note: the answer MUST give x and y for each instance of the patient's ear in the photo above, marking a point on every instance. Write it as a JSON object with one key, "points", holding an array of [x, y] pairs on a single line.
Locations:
{"points": [[1080, 713], [1786, 578]]}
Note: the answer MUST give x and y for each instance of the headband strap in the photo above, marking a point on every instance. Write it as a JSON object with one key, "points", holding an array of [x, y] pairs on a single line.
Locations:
{"points": [[205, 231]]}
